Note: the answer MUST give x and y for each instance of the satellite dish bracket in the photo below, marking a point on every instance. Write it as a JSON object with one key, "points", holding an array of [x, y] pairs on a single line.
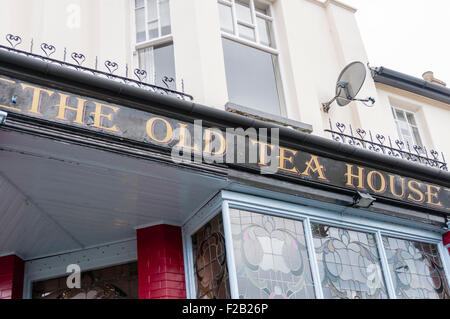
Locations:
{"points": [[347, 86]]}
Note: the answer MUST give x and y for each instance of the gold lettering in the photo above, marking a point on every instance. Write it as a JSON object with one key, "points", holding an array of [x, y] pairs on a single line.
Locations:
{"points": [[392, 186], [149, 128], [182, 140], [283, 158], [370, 182], [431, 195], [36, 97], [6, 80], [208, 136], [262, 152], [317, 167], [63, 107], [98, 115], [416, 191], [351, 176]]}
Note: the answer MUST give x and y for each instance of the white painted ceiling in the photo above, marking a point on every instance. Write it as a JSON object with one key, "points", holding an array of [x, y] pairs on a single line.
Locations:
{"points": [[57, 197]]}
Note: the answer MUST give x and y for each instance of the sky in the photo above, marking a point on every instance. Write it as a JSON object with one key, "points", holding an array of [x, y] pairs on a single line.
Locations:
{"points": [[409, 36]]}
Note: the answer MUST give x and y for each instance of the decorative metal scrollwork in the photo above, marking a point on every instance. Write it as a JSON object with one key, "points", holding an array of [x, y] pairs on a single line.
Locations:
{"points": [[48, 49], [111, 71], [140, 74], [111, 66], [13, 40], [383, 144], [79, 58]]}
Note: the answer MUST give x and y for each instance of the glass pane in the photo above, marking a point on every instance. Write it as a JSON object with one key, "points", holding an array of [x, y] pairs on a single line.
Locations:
{"points": [[152, 11], [118, 282], [164, 13], [140, 25], [262, 8], [246, 32], [411, 118], [417, 139], [251, 80], [138, 3], [165, 66], [416, 269], [226, 18], [400, 115], [153, 30], [271, 257], [243, 12], [146, 63], [210, 263], [348, 262], [264, 31]]}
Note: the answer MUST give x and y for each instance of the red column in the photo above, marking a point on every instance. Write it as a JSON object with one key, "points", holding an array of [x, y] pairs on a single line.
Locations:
{"points": [[446, 240], [160, 263], [11, 277]]}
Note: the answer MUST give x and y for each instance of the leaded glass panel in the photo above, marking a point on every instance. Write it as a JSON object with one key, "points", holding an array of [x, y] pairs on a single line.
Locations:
{"points": [[210, 264], [416, 269], [117, 282], [270, 256], [349, 264]]}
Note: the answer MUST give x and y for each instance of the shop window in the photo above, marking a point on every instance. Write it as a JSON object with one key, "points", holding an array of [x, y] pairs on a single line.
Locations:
{"points": [[349, 264], [277, 251], [407, 127], [152, 19], [118, 282], [416, 269], [210, 264], [251, 59], [270, 256]]}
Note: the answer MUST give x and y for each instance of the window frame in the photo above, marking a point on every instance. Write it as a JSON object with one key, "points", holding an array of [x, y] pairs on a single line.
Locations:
{"points": [[227, 200], [410, 126], [152, 43], [158, 19], [273, 50]]}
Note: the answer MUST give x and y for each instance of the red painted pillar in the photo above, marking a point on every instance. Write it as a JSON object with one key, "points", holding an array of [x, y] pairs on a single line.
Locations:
{"points": [[446, 240], [11, 277], [160, 263]]}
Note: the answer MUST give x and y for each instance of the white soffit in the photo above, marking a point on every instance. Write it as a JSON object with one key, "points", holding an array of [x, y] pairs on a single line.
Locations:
{"points": [[59, 197]]}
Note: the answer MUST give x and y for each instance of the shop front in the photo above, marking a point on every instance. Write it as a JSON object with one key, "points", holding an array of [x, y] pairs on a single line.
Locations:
{"points": [[147, 195]]}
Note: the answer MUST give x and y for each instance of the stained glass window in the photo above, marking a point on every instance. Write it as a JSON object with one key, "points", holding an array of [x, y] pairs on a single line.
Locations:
{"points": [[271, 256], [349, 264], [416, 269], [210, 266], [118, 282]]}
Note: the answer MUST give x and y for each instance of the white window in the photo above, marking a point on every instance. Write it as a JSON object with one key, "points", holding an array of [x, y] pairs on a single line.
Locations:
{"points": [[152, 19], [154, 46], [407, 127], [251, 57]]}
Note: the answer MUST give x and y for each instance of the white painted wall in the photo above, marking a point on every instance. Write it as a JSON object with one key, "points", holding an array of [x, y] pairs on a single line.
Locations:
{"points": [[316, 39]]}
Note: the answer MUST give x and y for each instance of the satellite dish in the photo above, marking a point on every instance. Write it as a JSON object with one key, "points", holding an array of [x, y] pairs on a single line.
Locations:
{"points": [[348, 85]]}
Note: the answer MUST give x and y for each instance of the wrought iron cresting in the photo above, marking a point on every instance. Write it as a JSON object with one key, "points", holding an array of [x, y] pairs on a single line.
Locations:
{"points": [[385, 145], [110, 70]]}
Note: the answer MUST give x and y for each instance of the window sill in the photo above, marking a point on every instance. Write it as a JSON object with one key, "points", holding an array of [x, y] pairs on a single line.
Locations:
{"points": [[153, 42], [267, 117]]}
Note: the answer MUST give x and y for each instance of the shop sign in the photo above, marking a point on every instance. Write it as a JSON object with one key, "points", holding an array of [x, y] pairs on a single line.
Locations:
{"points": [[213, 145]]}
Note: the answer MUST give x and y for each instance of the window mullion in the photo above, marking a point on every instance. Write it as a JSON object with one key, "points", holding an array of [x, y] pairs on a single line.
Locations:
{"points": [[312, 259], [232, 275], [385, 267], [147, 36], [235, 23], [255, 25], [159, 18]]}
